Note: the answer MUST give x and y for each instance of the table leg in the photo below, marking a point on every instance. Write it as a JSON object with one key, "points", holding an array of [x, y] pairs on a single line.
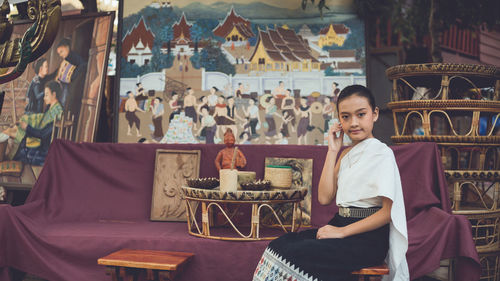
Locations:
{"points": [[166, 275], [205, 224], [113, 272], [294, 216], [255, 220]]}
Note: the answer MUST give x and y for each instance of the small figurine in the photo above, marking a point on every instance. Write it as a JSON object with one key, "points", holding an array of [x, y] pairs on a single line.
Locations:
{"points": [[225, 156]]}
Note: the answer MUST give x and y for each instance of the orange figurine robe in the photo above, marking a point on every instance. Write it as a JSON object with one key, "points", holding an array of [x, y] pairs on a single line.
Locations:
{"points": [[225, 156]]}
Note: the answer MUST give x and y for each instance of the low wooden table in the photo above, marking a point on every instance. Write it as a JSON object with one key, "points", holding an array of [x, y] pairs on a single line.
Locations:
{"points": [[127, 264]]}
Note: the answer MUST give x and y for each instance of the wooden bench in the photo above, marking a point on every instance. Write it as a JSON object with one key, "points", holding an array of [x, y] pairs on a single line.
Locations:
{"points": [[372, 271], [128, 264]]}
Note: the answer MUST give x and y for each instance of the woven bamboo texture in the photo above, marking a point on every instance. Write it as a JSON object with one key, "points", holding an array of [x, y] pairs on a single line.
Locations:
{"points": [[490, 265], [457, 106]]}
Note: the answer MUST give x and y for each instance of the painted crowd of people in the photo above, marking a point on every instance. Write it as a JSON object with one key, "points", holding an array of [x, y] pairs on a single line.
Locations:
{"points": [[270, 118]]}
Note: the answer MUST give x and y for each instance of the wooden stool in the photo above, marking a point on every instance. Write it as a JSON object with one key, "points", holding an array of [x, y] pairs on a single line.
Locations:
{"points": [[127, 264], [372, 271]]}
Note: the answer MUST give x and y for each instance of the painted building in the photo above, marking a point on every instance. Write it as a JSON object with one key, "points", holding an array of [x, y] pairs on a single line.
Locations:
{"points": [[182, 43], [234, 29], [333, 34], [282, 50], [137, 44], [346, 68], [335, 56]]}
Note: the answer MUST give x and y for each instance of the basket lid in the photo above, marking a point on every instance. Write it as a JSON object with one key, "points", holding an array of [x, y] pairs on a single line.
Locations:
{"points": [[278, 166]]}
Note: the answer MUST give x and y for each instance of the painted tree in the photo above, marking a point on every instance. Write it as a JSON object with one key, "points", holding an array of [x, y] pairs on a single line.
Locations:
{"points": [[212, 59], [166, 35], [196, 35]]}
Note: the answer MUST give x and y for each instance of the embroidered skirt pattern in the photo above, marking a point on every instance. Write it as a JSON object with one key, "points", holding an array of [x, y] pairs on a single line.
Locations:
{"points": [[299, 256]]}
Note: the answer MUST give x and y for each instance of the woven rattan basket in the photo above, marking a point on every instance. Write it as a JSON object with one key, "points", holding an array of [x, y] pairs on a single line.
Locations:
{"points": [[279, 176]]}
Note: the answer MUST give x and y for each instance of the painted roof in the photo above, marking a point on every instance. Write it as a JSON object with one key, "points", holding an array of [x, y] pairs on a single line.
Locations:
{"points": [[349, 65], [140, 32], [182, 27], [233, 20], [342, 53], [284, 45]]}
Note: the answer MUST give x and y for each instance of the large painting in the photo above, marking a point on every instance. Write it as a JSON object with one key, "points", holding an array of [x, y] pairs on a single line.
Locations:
{"points": [[58, 95], [267, 69]]}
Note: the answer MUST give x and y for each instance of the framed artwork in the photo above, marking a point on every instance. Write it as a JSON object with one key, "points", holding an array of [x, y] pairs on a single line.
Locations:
{"points": [[172, 168], [76, 63], [267, 69], [301, 177]]}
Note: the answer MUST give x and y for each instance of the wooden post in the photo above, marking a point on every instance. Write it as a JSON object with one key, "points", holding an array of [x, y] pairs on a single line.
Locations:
{"points": [[456, 195], [395, 90], [395, 120], [426, 123], [475, 123], [497, 91], [496, 193], [445, 83]]}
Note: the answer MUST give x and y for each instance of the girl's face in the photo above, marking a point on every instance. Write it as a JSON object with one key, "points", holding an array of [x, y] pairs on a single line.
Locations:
{"points": [[357, 118]]}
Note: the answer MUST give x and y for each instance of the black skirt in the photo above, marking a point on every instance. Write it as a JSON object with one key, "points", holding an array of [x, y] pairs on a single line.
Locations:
{"points": [[303, 257]]}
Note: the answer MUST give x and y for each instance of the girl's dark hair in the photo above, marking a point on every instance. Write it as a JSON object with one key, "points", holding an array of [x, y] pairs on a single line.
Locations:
{"points": [[54, 87], [158, 98], [357, 90]]}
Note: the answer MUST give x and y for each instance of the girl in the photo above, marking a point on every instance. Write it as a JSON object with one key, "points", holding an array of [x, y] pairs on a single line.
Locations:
{"points": [[370, 225]]}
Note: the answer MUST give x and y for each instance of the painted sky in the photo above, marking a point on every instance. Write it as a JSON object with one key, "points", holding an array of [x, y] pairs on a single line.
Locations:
{"points": [[132, 6]]}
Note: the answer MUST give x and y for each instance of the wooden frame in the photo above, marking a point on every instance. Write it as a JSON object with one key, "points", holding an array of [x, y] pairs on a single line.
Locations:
{"points": [[172, 168]]}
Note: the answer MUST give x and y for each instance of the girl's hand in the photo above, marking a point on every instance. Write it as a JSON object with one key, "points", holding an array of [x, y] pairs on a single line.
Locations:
{"points": [[330, 231], [334, 142]]}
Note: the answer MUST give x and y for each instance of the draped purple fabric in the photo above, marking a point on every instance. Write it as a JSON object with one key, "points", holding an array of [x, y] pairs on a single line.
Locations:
{"points": [[93, 199]]}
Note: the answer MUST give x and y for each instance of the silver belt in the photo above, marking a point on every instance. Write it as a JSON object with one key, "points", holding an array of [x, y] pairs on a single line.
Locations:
{"points": [[357, 212]]}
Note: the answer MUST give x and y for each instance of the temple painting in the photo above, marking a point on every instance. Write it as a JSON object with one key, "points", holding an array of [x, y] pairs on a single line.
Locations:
{"points": [[269, 71]]}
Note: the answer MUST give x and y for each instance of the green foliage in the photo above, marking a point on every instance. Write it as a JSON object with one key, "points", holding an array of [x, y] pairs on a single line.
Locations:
{"points": [[129, 70], [212, 59], [196, 60], [329, 72]]}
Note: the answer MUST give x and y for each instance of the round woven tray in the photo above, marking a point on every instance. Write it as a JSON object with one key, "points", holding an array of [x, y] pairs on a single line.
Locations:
{"points": [[407, 70], [245, 195]]}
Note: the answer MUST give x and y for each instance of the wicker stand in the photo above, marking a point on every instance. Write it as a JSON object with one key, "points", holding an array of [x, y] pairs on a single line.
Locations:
{"points": [[215, 201], [457, 106]]}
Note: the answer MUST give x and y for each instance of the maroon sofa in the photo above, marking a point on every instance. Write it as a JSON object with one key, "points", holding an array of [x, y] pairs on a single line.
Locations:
{"points": [[93, 199]]}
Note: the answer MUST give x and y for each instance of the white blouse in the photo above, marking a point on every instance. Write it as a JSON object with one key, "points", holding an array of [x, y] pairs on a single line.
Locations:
{"points": [[367, 173]]}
